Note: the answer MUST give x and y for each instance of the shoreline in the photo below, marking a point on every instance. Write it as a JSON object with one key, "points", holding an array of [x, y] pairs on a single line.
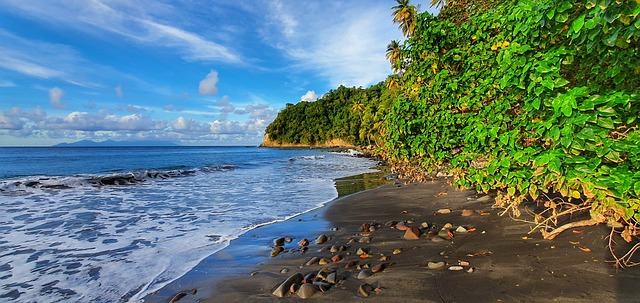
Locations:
{"points": [[499, 260], [251, 248]]}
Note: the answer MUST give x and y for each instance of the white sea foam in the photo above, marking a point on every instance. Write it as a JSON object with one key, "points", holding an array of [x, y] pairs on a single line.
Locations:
{"points": [[118, 243]]}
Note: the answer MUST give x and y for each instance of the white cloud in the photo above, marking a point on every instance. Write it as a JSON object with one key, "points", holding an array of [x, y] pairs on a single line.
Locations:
{"points": [[118, 90], [309, 96], [55, 98], [4, 83], [208, 84]]}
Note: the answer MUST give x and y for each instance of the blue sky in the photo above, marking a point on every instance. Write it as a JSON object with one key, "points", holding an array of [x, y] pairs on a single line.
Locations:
{"points": [[192, 72]]}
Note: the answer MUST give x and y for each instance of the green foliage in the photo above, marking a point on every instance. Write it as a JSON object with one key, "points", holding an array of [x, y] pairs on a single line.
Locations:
{"points": [[353, 115], [526, 97]]}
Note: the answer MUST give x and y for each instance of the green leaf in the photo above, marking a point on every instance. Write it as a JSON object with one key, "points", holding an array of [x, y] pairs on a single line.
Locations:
{"points": [[636, 188], [511, 190], [578, 23], [606, 122], [560, 82]]}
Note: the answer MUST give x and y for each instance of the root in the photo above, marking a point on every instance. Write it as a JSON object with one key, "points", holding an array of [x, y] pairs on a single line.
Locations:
{"points": [[554, 233], [624, 260]]}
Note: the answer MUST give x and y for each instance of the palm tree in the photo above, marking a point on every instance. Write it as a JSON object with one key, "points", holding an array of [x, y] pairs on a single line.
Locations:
{"points": [[405, 15], [436, 3], [393, 54]]}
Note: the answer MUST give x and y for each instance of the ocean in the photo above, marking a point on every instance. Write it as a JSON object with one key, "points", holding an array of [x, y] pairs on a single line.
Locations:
{"points": [[112, 224]]}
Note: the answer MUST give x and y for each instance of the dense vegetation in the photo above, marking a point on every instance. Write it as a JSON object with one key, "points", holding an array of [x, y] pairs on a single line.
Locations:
{"points": [[351, 115], [522, 98]]}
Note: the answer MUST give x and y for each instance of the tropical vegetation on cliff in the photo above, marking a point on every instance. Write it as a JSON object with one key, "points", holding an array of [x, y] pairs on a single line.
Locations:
{"points": [[523, 98]]}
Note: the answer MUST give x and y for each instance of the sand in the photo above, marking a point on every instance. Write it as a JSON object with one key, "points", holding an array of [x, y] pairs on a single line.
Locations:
{"points": [[505, 263]]}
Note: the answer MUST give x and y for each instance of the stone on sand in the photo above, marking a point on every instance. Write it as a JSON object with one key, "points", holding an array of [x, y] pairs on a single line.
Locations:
{"points": [[306, 291], [303, 242], [321, 239], [435, 265], [276, 251], [284, 287], [313, 261], [468, 212], [365, 274], [413, 233], [365, 290]]}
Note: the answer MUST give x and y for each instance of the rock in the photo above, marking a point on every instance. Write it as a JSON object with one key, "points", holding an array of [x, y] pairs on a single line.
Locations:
{"points": [[378, 268], [401, 226], [384, 259], [447, 226], [390, 223], [342, 248], [303, 242], [365, 274], [362, 251], [336, 258], [461, 230], [313, 261], [412, 233], [321, 239], [468, 212], [365, 227], [373, 228], [472, 269], [309, 277], [284, 271], [397, 251], [177, 297], [445, 234], [456, 268], [351, 264], [278, 242], [332, 278], [333, 249], [424, 225], [304, 249], [276, 251], [323, 273], [365, 240], [306, 291], [323, 286], [435, 265], [443, 211], [282, 289], [365, 290], [324, 261], [294, 288]]}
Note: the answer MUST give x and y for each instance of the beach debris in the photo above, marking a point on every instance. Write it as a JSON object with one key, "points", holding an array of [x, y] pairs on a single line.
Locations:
{"points": [[278, 242], [312, 261], [306, 291], [577, 231], [397, 251], [436, 265], [365, 290], [468, 212], [480, 254], [303, 242], [365, 274], [321, 239], [276, 251], [281, 290], [404, 212], [585, 249], [442, 193], [463, 263], [177, 297], [456, 268], [413, 233], [443, 211], [378, 268]]}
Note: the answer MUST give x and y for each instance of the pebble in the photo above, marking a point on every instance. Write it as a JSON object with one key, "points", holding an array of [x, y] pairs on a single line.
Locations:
{"points": [[288, 239], [323, 273], [384, 259], [177, 297], [284, 271], [397, 251], [323, 286], [365, 227], [401, 226], [333, 249], [390, 223], [365, 240], [276, 251], [472, 269], [445, 234], [306, 291], [278, 242], [365, 290], [447, 226], [313, 261], [285, 286], [412, 233], [468, 212], [304, 249], [351, 264], [456, 268], [424, 225], [372, 228], [321, 239], [332, 278], [461, 229], [378, 268], [303, 242], [435, 265], [362, 251], [444, 211], [365, 274], [324, 261], [336, 258], [294, 288]]}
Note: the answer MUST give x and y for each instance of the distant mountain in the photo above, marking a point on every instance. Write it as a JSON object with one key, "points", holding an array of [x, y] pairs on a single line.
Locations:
{"points": [[90, 143]]}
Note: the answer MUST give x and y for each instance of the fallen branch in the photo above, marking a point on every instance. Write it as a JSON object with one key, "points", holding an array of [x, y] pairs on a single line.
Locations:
{"points": [[554, 233]]}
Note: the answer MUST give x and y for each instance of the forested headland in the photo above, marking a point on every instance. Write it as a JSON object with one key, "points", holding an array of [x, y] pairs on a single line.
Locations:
{"points": [[528, 100]]}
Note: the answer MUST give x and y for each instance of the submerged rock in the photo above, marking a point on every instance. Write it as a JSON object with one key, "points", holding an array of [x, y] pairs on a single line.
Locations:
{"points": [[303, 242], [276, 251], [278, 242]]}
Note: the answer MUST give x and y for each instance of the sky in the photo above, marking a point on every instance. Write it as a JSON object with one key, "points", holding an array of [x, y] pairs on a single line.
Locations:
{"points": [[191, 72]]}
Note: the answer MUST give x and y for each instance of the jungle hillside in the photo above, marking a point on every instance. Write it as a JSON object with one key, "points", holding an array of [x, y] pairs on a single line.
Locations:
{"points": [[527, 100]]}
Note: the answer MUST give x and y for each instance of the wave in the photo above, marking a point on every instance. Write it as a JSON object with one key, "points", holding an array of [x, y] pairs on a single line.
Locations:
{"points": [[317, 157], [349, 152], [115, 179]]}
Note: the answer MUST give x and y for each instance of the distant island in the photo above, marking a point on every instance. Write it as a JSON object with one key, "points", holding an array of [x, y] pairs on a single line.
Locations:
{"points": [[112, 143]]}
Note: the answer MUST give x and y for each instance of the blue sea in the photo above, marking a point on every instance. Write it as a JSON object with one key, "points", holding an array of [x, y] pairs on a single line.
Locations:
{"points": [[112, 224]]}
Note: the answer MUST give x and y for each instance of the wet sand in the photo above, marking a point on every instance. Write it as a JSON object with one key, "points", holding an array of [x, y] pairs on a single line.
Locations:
{"points": [[505, 263]]}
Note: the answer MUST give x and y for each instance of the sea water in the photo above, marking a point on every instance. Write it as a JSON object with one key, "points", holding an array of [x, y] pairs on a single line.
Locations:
{"points": [[111, 224]]}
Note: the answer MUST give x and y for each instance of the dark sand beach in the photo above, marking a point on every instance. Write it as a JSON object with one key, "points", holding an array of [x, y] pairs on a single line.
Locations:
{"points": [[500, 261]]}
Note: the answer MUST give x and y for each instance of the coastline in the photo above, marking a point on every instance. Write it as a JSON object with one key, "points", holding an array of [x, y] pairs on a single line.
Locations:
{"points": [[500, 261]]}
